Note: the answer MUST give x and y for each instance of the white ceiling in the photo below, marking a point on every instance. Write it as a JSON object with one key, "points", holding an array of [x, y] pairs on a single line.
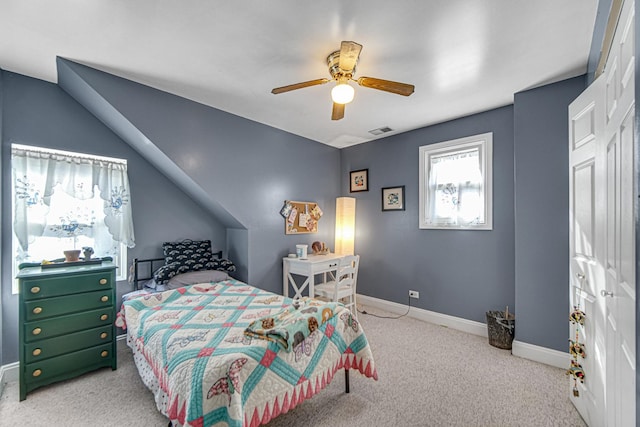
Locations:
{"points": [[463, 56]]}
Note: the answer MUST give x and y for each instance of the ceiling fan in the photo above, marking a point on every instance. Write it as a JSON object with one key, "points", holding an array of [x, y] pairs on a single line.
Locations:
{"points": [[342, 67]]}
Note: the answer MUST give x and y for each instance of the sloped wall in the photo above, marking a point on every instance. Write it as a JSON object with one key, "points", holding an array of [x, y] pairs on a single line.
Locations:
{"points": [[248, 169]]}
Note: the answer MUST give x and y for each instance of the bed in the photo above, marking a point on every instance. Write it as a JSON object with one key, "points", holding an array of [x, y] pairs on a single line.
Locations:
{"points": [[209, 358]]}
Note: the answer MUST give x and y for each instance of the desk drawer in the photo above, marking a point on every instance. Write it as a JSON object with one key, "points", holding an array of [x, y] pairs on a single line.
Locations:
{"points": [[314, 268], [325, 266], [37, 288], [57, 306], [52, 347], [63, 365], [41, 329]]}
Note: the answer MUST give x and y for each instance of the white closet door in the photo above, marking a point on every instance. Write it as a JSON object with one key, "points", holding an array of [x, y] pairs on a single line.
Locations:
{"points": [[586, 128], [602, 233], [619, 262]]}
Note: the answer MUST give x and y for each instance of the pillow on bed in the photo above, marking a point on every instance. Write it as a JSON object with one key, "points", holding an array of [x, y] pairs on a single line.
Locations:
{"points": [[149, 284], [189, 254], [202, 276], [223, 265], [166, 272]]}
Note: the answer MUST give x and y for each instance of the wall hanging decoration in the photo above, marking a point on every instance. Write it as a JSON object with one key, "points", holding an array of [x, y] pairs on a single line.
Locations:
{"points": [[300, 217], [359, 180], [576, 349], [393, 198]]}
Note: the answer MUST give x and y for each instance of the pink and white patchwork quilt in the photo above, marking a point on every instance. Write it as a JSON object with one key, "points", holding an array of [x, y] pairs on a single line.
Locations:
{"points": [[191, 350]]}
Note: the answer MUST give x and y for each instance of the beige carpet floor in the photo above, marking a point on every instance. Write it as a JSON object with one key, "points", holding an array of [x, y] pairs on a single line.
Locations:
{"points": [[428, 376]]}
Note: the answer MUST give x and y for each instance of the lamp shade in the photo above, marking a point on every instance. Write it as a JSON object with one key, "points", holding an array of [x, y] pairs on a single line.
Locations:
{"points": [[342, 93], [345, 225]]}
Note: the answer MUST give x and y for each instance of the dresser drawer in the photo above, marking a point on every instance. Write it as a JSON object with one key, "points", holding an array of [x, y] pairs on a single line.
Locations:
{"points": [[45, 287], [52, 347], [41, 329], [43, 308], [44, 370]]}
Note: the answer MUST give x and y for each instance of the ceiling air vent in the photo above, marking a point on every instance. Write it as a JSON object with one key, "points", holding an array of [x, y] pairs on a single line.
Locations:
{"points": [[380, 131]]}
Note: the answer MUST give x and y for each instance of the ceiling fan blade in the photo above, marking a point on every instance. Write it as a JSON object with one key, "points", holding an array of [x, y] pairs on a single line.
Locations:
{"points": [[349, 53], [299, 85], [386, 85], [338, 111]]}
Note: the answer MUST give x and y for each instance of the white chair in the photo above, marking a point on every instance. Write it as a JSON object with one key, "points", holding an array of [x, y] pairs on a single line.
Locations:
{"points": [[344, 285]]}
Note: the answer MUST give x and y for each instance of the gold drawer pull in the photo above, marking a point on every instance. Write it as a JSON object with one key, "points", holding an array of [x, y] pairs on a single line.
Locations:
{"points": [[36, 352], [36, 331], [35, 289], [103, 335], [103, 281], [37, 310], [104, 298], [104, 317], [37, 372], [104, 353]]}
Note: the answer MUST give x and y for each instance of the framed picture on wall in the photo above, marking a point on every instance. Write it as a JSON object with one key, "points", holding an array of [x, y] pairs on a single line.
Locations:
{"points": [[393, 198], [359, 180]]}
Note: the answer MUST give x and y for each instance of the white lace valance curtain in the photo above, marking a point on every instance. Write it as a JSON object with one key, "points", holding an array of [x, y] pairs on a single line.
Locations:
{"points": [[35, 174], [454, 180]]}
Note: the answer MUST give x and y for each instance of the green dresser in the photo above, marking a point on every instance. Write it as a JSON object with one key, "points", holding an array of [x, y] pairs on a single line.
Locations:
{"points": [[66, 322]]}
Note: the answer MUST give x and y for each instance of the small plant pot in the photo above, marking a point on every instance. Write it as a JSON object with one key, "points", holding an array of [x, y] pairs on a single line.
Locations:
{"points": [[72, 255]]}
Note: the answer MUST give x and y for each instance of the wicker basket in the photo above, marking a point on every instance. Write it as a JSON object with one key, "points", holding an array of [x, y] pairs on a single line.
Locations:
{"points": [[501, 330]]}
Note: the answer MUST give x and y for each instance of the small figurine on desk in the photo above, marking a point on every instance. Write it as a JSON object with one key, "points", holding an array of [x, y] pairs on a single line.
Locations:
{"points": [[319, 248], [87, 251]]}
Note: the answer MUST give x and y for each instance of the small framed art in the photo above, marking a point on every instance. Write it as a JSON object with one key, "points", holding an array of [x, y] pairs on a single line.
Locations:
{"points": [[359, 181], [393, 198]]}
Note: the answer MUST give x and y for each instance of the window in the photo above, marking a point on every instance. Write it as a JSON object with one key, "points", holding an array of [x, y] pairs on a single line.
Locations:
{"points": [[455, 184], [65, 200]]}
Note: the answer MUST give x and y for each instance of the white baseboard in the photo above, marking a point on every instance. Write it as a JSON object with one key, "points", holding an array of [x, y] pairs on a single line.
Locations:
{"points": [[9, 373], [521, 349], [540, 354], [464, 325]]}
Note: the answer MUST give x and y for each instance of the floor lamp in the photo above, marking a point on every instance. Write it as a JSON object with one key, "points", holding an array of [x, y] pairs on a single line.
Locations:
{"points": [[345, 225]]}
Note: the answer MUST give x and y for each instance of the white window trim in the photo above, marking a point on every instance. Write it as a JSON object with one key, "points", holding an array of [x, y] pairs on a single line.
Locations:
{"points": [[485, 142]]}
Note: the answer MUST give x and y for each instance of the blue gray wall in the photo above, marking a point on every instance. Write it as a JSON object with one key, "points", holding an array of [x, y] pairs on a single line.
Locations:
{"points": [[521, 263], [459, 273], [39, 113], [542, 212], [251, 167]]}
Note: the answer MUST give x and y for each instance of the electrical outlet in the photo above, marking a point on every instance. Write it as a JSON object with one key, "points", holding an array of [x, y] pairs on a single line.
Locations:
{"points": [[414, 294]]}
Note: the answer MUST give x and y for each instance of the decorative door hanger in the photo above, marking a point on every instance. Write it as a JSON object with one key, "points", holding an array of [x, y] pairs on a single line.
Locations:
{"points": [[300, 217]]}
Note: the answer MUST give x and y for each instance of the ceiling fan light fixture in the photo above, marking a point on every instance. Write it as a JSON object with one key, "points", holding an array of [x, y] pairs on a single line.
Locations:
{"points": [[342, 93], [342, 67]]}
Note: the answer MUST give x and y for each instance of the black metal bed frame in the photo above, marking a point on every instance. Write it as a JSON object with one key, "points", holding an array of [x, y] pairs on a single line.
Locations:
{"points": [[147, 265]]}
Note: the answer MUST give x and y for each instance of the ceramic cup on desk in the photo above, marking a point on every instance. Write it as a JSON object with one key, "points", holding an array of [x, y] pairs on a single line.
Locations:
{"points": [[301, 251]]}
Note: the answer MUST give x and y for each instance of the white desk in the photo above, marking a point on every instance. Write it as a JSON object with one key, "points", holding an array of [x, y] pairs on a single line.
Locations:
{"points": [[315, 264]]}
